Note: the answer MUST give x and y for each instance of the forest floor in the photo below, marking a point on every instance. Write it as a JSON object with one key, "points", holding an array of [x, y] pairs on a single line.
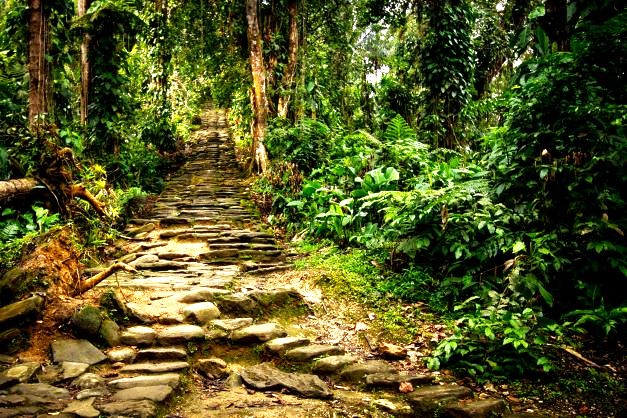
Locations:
{"points": [[223, 320]]}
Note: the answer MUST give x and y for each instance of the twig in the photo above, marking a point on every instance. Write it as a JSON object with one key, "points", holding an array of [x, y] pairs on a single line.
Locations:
{"points": [[580, 357]]}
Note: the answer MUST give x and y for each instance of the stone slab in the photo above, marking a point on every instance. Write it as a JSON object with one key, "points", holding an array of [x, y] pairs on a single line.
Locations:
{"points": [[153, 393], [78, 351], [309, 352], [258, 333], [169, 379]]}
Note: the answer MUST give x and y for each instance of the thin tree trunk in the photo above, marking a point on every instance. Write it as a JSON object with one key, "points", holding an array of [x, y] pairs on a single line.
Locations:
{"points": [[18, 187], [260, 102], [83, 5], [287, 82], [37, 67]]}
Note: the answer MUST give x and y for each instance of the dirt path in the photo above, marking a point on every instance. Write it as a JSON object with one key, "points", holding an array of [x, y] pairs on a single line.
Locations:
{"points": [[208, 327]]}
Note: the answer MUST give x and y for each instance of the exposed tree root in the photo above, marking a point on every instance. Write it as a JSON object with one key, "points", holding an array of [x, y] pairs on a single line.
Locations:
{"points": [[90, 283]]}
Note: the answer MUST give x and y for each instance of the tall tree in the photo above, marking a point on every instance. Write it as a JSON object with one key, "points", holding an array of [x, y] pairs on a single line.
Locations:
{"points": [[83, 5], [38, 68], [287, 81], [259, 96]]}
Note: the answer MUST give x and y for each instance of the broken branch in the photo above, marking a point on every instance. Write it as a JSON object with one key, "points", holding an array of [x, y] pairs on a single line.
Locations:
{"points": [[90, 283]]}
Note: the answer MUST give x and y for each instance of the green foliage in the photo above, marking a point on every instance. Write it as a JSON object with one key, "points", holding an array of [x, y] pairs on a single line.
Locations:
{"points": [[14, 225]]}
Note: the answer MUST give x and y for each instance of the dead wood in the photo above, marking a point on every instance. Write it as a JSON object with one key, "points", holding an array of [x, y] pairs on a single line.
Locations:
{"points": [[17, 187], [90, 283]]}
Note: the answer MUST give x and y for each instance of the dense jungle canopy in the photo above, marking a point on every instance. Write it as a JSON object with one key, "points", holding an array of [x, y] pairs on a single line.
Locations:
{"points": [[475, 149]]}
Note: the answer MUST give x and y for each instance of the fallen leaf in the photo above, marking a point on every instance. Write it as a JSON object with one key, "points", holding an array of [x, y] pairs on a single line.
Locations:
{"points": [[360, 326], [405, 387], [371, 316]]}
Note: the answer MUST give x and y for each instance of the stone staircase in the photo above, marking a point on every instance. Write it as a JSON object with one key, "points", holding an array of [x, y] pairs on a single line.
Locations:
{"points": [[193, 340]]}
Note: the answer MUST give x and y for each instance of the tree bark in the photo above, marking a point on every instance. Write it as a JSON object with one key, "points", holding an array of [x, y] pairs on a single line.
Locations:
{"points": [[260, 102], [83, 5], [38, 82], [15, 188], [287, 82]]}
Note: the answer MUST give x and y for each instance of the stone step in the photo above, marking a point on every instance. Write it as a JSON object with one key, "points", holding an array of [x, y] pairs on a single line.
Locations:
{"points": [[155, 367]]}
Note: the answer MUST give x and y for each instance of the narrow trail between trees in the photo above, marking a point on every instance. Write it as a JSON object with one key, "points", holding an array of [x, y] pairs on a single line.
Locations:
{"points": [[206, 327]]}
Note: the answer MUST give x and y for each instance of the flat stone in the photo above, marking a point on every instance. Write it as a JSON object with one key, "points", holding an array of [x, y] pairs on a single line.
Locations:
{"points": [[51, 374], [279, 345], [215, 334], [310, 352], [147, 258], [164, 311], [110, 332], [170, 379], [391, 407], [21, 411], [201, 312], [23, 372], [20, 309], [333, 364], [265, 376], [12, 400], [4, 359], [8, 381], [356, 373], [82, 408], [161, 353], [78, 351], [43, 391], [204, 294], [88, 381], [258, 333], [213, 368], [392, 351], [395, 378], [150, 226], [140, 409], [177, 334], [164, 367], [138, 335], [232, 324], [153, 393], [122, 354], [428, 399], [71, 369], [237, 304], [87, 320], [91, 393], [484, 408]]}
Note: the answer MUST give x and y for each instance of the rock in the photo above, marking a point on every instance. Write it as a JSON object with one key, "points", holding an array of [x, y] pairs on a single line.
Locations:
{"points": [[279, 297], [392, 408], [232, 324], [51, 374], [164, 311], [72, 370], [22, 411], [213, 368], [356, 373], [140, 409], [20, 309], [12, 340], [279, 345], [88, 381], [177, 334], [153, 393], [394, 379], [91, 393], [8, 381], [12, 400], [265, 376], [142, 229], [43, 391], [79, 351], [123, 354], [215, 334], [234, 381], [170, 379], [110, 332], [310, 352], [138, 335], [164, 367], [236, 304], [392, 351], [144, 259], [82, 408], [203, 294], [428, 399], [258, 333], [333, 364], [201, 312], [484, 408], [24, 371], [162, 353], [87, 320]]}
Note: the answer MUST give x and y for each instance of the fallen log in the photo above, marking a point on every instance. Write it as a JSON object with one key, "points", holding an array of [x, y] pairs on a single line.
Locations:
{"points": [[90, 283], [16, 188]]}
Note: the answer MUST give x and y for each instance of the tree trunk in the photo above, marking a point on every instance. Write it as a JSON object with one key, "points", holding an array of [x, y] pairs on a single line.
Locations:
{"points": [[555, 23], [38, 83], [14, 188], [83, 5], [260, 102], [287, 82]]}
